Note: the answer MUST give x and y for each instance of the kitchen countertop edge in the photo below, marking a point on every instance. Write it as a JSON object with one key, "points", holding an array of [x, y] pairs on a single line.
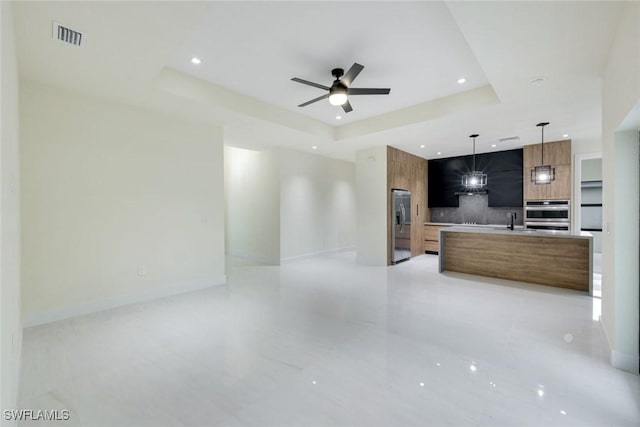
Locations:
{"points": [[518, 232], [451, 224]]}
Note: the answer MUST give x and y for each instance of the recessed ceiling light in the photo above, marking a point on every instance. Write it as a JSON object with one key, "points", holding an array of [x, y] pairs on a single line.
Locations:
{"points": [[462, 80], [195, 60], [422, 146], [439, 152], [338, 117], [314, 147], [494, 145], [538, 81], [566, 135]]}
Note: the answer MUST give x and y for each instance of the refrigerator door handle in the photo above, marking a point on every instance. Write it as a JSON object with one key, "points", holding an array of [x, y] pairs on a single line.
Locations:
{"points": [[403, 217]]}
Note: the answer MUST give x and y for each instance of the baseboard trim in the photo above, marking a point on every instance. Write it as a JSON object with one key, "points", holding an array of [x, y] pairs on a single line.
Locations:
{"points": [[54, 315], [315, 254], [606, 337], [254, 258], [625, 362]]}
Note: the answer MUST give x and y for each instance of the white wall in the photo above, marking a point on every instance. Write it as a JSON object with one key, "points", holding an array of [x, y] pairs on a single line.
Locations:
{"points": [[592, 169], [108, 188], [317, 204], [621, 93], [371, 206], [627, 231], [283, 204], [10, 322], [252, 194]]}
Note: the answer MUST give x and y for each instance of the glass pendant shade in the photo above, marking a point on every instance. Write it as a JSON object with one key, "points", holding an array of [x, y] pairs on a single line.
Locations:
{"points": [[543, 174], [475, 179]]}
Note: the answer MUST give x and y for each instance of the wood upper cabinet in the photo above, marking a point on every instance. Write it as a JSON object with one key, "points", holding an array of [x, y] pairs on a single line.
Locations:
{"points": [[560, 188], [556, 154]]}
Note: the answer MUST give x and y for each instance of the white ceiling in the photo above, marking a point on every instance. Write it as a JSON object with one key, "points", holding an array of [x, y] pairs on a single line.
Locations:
{"points": [[414, 48], [140, 53]]}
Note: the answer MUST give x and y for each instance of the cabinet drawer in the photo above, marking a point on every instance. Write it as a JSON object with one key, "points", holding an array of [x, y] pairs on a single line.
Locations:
{"points": [[432, 232], [431, 246]]}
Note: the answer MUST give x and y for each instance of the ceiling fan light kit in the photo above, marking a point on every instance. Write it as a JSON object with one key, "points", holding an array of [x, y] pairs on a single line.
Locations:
{"points": [[543, 174], [340, 90]]}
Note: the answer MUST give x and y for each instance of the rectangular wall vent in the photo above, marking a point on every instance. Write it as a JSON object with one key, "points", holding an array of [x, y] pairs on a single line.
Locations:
{"points": [[509, 139], [67, 35]]}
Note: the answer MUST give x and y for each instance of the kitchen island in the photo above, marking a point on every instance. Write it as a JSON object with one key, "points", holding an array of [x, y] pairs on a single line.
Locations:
{"points": [[553, 258]]}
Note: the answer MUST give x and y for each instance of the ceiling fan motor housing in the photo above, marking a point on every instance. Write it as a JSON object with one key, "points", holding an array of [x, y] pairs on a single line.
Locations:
{"points": [[337, 73]]}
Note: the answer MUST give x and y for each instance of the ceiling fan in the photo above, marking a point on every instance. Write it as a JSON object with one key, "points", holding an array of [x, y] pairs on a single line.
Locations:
{"points": [[341, 88]]}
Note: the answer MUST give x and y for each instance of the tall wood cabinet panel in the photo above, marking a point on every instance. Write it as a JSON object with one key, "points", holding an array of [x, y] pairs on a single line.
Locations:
{"points": [[408, 172], [560, 188], [556, 154]]}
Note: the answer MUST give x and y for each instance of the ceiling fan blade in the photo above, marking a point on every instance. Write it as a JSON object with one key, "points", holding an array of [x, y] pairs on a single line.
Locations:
{"points": [[351, 75], [307, 82], [347, 107], [367, 91], [320, 98]]}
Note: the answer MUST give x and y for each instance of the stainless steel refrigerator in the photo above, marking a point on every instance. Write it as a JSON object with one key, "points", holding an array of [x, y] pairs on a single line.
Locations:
{"points": [[401, 225]]}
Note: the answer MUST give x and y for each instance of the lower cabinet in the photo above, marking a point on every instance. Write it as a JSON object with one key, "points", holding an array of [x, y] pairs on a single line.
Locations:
{"points": [[432, 238]]}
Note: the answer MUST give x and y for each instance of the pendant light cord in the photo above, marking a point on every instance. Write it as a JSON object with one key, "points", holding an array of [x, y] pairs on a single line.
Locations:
{"points": [[474, 136], [474, 154], [542, 125], [542, 145]]}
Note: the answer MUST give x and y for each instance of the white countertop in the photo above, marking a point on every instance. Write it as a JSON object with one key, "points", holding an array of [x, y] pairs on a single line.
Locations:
{"points": [[450, 224], [502, 229]]}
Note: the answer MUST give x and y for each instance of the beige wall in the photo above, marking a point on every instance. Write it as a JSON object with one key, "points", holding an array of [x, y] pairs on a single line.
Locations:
{"points": [[119, 204], [317, 204], [621, 93], [252, 194], [10, 323]]}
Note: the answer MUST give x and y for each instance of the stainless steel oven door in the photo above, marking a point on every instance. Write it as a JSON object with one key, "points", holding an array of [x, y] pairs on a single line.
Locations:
{"points": [[542, 225], [547, 211]]}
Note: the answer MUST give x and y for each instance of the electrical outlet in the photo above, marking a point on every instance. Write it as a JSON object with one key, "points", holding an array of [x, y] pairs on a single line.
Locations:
{"points": [[142, 270]]}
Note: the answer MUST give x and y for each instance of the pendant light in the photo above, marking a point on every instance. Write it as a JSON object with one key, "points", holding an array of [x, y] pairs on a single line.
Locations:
{"points": [[543, 174], [474, 179]]}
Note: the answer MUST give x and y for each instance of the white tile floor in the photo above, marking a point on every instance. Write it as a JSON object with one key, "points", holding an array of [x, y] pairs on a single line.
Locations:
{"points": [[325, 342]]}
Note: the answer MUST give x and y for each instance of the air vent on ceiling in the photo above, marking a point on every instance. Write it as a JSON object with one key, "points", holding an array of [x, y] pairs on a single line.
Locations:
{"points": [[509, 139], [67, 35]]}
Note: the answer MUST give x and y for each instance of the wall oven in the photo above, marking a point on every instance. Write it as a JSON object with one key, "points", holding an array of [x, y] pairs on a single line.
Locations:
{"points": [[547, 214]]}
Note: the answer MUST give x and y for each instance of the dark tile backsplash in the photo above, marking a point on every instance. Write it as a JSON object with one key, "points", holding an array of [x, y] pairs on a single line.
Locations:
{"points": [[475, 209]]}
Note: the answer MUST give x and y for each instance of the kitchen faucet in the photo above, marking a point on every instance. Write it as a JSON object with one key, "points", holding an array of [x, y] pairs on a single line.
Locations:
{"points": [[512, 217]]}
